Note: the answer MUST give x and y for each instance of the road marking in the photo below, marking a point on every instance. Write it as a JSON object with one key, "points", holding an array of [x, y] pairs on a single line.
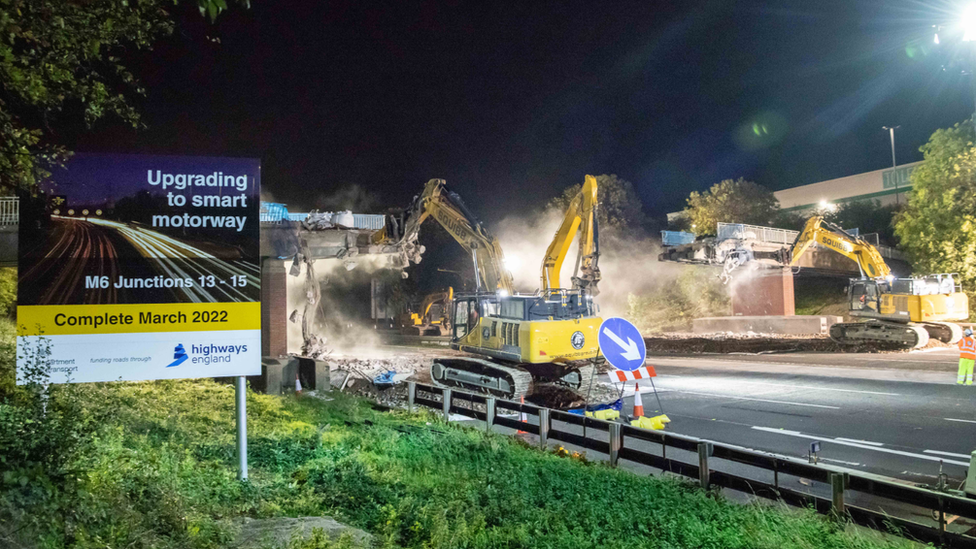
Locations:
{"points": [[933, 350], [850, 463], [859, 441], [857, 445], [818, 388], [964, 456], [959, 420], [757, 399]]}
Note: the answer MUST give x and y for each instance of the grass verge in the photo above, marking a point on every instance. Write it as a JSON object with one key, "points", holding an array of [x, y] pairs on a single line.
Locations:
{"points": [[155, 467]]}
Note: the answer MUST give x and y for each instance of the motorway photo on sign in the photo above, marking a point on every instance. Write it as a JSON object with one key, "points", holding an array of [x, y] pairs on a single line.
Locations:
{"points": [[143, 267]]}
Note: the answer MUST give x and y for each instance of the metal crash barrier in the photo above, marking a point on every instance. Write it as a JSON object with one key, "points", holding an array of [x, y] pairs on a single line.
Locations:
{"points": [[612, 439]]}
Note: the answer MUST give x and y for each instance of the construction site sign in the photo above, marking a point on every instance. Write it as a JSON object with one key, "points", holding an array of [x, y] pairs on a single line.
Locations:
{"points": [[141, 267], [622, 344]]}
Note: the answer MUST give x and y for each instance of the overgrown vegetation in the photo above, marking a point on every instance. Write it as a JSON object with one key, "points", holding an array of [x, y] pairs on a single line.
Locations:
{"points": [[730, 201], [154, 466], [938, 226], [674, 304], [63, 63]]}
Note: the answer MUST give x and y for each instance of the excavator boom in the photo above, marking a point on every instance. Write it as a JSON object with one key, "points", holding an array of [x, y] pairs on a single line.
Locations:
{"points": [[907, 311], [580, 217], [449, 210], [817, 230]]}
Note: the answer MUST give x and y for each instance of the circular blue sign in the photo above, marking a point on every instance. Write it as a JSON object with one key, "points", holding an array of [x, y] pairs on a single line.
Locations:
{"points": [[622, 344]]}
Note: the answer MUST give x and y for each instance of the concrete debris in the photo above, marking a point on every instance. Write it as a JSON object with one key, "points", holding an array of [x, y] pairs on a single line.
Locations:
{"points": [[757, 343], [318, 221]]}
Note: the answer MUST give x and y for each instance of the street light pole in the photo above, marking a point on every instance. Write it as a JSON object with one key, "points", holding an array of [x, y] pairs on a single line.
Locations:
{"points": [[891, 131]]}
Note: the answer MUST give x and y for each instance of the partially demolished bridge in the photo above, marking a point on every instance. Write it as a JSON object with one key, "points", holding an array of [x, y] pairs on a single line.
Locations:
{"points": [[290, 245]]}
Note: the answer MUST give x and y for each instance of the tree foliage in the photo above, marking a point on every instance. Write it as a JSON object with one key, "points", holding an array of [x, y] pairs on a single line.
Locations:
{"points": [[938, 226], [61, 62], [731, 201], [868, 216], [620, 207]]}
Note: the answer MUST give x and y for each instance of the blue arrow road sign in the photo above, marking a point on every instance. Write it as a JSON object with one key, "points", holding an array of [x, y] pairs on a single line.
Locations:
{"points": [[622, 344]]}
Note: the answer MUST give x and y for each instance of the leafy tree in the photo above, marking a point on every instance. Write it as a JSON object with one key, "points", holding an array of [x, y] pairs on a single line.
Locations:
{"points": [[938, 226], [8, 291], [731, 201], [869, 216], [60, 62], [620, 207]]}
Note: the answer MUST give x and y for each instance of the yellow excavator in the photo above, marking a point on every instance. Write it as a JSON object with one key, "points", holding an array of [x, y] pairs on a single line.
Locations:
{"points": [[546, 337], [908, 310], [432, 317]]}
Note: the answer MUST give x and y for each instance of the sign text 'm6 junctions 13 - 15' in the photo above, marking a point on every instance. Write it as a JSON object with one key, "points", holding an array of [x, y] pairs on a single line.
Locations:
{"points": [[142, 267]]}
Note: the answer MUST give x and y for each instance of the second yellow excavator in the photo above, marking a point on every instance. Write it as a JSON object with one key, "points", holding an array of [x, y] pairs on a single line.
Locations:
{"points": [[548, 336], [907, 310]]}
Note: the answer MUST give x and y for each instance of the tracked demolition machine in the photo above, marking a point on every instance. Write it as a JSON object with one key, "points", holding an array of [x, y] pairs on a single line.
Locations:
{"points": [[546, 337], [905, 310]]}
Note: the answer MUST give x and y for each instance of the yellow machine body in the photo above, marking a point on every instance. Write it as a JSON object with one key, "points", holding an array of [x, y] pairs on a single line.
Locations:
{"points": [[527, 329], [952, 306], [533, 342]]}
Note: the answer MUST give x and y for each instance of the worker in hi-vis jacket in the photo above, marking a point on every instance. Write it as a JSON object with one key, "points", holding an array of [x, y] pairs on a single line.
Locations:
{"points": [[967, 354]]}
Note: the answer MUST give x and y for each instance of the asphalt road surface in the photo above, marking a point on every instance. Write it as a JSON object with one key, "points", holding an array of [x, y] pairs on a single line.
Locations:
{"points": [[895, 414]]}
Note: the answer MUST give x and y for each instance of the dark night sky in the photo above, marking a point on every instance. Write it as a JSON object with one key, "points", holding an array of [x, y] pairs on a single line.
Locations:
{"points": [[513, 101]]}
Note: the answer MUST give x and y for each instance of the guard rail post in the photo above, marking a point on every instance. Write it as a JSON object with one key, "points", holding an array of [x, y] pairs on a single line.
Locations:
{"points": [[411, 394], [447, 404], [544, 424], [704, 450], [942, 521], [615, 443], [837, 485], [489, 413]]}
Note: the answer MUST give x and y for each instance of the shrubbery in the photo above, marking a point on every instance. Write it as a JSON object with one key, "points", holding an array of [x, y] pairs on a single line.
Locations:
{"points": [[674, 304], [158, 470]]}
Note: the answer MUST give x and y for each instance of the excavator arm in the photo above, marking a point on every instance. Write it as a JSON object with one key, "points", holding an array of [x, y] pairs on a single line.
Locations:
{"points": [[867, 257], [449, 210], [580, 218]]}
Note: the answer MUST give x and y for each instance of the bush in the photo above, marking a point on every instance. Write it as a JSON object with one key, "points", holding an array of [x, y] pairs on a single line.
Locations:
{"points": [[697, 293], [159, 472], [8, 291]]}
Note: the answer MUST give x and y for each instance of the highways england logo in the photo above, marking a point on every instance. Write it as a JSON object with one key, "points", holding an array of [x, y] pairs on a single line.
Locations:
{"points": [[180, 355], [206, 354], [577, 340]]}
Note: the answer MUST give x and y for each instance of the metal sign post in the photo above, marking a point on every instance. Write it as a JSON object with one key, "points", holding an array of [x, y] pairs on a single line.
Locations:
{"points": [[240, 394]]}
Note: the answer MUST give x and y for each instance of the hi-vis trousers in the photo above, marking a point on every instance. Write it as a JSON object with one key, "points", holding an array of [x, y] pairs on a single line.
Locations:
{"points": [[965, 371]]}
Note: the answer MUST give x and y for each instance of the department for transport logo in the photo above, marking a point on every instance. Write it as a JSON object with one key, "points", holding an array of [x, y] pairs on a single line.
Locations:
{"points": [[577, 340], [180, 355]]}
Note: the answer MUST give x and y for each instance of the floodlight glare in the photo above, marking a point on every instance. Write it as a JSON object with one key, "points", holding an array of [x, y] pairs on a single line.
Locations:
{"points": [[968, 22]]}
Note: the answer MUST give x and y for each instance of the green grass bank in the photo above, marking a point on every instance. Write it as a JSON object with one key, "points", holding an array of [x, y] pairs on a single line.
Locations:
{"points": [[152, 465]]}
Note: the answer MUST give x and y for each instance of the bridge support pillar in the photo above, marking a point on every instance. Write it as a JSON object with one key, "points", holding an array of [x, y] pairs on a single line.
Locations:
{"points": [[766, 292], [274, 308]]}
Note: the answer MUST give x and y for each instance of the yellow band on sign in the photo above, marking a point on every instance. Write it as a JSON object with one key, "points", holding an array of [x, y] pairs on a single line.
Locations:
{"points": [[137, 318]]}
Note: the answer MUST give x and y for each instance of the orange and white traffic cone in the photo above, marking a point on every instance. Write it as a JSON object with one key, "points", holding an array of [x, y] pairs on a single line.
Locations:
{"points": [[638, 404], [522, 416], [298, 386]]}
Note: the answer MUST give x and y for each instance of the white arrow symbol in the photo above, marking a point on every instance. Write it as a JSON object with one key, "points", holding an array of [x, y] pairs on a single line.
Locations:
{"points": [[630, 348]]}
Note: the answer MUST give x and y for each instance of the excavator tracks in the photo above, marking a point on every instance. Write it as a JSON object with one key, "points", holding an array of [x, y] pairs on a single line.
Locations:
{"points": [[946, 332], [510, 382], [910, 336], [482, 376]]}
